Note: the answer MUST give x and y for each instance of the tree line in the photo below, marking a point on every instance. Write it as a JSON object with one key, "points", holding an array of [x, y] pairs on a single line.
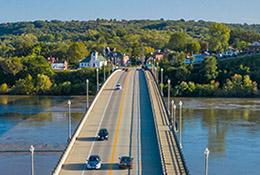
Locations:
{"points": [[25, 47]]}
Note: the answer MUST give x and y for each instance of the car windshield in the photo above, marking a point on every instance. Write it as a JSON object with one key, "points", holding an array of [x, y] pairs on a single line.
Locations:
{"points": [[118, 85], [103, 131], [125, 159], [93, 158]]}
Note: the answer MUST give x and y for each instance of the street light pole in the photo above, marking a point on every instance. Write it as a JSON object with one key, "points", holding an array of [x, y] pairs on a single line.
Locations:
{"points": [[97, 80], [180, 103], [162, 81], [172, 104], [155, 74], [69, 121], [169, 94], [87, 84], [174, 117], [206, 154], [104, 73], [32, 159]]}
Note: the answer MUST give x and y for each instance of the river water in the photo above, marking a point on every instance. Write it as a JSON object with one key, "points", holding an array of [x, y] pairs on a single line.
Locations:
{"points": [[38, 121], [230, 128]]}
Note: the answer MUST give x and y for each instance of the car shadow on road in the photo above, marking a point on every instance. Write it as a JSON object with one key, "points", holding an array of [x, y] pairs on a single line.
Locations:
{"points": [[74, 166], [82, 166], [110, 166], [87, 139], [111, 89]]}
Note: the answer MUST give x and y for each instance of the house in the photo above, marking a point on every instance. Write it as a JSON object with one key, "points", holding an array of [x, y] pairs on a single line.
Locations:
{"points": [[159, 55], [60, 65], [56, 64], [94, 60], [195, 58], [125, 60], [231, 52], [115, 57], [254, 47]]}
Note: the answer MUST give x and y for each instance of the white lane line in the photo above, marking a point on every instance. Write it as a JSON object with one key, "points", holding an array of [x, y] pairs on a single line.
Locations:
{"points": [[100, 123], [138, 137]]}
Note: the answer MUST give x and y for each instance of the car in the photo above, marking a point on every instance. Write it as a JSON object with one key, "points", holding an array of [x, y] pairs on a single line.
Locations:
{"points": [[126, 162], [103, 134], [93, 162], [118, 87]]}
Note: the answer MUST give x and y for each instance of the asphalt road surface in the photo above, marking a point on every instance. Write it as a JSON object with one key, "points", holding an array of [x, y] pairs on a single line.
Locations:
{"points": [[127, 115]]}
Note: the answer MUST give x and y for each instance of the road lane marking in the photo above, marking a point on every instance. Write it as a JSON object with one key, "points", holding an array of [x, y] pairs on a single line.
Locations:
{"points": [[138, 137], [118, 125], [100, 123], [132, 119]]}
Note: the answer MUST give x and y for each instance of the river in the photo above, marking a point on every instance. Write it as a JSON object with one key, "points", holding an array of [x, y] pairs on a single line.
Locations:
{"points": [[39, 121], [230, 128]]}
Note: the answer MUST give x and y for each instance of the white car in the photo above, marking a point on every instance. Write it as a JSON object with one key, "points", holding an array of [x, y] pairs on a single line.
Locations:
{"points": [[118, 87], [94, 162]]}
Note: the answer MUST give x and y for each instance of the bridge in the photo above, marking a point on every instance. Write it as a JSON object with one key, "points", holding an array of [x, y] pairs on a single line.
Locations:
{"points": [[138, 126]]}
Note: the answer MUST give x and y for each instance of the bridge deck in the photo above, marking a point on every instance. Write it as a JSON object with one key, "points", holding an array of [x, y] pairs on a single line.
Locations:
{"points": [[127, 114]]}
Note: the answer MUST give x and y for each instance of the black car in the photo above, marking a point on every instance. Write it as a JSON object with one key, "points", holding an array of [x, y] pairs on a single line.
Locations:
{"points": [[126, 162], [102, 134], [94, 162]]}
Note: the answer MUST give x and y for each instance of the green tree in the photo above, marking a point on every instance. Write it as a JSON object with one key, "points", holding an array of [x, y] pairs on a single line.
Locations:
{"points": [[209, 69], [193, 46], [179, 41], [43, 83], [24, 86], [239, 86], [219, 35], [24, 44], [35, 65], [11, 65], [3, 88], [77, 51]]}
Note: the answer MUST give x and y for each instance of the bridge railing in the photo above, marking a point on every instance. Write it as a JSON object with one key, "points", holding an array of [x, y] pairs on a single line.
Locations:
{"points": [[76, 132], [168, 116]]}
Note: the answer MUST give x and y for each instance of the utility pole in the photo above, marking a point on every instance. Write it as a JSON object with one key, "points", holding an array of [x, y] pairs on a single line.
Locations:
{"points": [[206, 154], [69, 121], [172, 110], [32, 159], [104, 73], [87, 86], [169, 95], [180, 123], [97, 80], [162, 81], [174, 118]]}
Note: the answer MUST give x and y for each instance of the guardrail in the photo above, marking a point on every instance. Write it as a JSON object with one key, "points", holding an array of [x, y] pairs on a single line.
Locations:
{"points": [[168, 117], [63, 157]]}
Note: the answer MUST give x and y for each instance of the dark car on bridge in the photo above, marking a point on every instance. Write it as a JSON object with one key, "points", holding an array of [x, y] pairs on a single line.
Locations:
{"points": [[94, 162], [103, 134], [126, 162]]}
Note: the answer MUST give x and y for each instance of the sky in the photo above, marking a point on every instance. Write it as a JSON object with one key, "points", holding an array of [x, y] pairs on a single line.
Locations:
{"points": [[228, 11]]}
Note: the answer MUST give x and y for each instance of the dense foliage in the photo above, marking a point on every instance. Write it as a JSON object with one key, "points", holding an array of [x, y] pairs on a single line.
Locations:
{"points": [[237, 77], [25, 47]]}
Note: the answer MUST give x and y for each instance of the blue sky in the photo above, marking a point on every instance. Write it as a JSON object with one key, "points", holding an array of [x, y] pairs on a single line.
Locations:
{"points": [[232, 11]]}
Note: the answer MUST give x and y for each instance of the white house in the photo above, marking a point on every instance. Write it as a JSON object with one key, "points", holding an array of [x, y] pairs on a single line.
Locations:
{"points": [[60, 65], [94, 60]]}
